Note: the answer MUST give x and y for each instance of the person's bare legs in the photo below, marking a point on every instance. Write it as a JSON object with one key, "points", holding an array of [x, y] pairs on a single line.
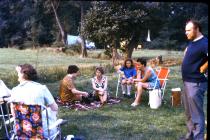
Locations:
{"points": [[139, 93], [103, 97], [123, 85], [129, 87], [140, 87]]}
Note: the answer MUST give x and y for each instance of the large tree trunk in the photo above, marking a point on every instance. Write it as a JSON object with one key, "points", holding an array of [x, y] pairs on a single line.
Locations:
{"points": [[115, 55], [83, 44], [63, 38], [131, 45]]}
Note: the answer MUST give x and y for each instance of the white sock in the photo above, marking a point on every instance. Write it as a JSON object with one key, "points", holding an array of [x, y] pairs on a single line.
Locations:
{"points": [[129, 89], [123, 88]]}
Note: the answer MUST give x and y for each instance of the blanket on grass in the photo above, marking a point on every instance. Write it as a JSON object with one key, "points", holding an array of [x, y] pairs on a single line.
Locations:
{"points": [[83, 106]]}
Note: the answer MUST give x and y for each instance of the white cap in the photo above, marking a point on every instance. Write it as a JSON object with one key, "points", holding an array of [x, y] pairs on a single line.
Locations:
{"points": [[176, 89]]}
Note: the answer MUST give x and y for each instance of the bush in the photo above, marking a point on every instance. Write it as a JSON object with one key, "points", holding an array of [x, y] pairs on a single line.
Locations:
{"points": [[162, 44], [45, 38], [98, 55], [11, 79], [51, 74], [58, 44]]}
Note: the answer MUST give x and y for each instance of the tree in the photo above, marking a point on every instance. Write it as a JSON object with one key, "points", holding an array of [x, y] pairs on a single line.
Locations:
{"points": [[24, 20], [109, 23], [54, 4], [83, 5], [172, 35], [14, 17]]}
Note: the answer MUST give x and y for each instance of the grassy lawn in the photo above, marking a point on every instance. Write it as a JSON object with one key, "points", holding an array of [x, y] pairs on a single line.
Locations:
{"points": [[111, 122]]}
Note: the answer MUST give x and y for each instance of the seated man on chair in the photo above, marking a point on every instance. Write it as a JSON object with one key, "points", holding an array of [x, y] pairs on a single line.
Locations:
{"points": [[32, 93], [146, 78]]}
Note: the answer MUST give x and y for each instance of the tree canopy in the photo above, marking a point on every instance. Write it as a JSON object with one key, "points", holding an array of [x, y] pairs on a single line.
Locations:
{"points": [[107, 23], [110, 22]]}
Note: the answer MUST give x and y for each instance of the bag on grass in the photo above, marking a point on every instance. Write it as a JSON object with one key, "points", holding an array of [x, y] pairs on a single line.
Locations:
{"points": [[155, 98]]}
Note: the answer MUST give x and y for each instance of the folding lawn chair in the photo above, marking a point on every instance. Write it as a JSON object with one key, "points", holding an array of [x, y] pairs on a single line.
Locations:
{"points": [[162, 75], [118, 83], [28, 123], [4, 114], [5, 119]]}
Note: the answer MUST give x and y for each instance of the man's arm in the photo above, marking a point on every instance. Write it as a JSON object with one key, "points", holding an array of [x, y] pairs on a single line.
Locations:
{"points": [[204, 67]]}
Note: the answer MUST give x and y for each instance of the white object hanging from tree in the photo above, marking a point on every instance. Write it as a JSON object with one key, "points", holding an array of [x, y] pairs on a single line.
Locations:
{"points": [[148, 36]]}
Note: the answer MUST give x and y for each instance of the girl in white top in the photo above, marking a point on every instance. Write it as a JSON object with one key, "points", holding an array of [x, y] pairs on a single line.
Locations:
{"points": [[99, 84]]}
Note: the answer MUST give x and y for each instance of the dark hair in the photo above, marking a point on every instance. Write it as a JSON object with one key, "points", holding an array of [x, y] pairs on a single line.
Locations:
{"points": [[195, 23], [29, 72], [100, 69], [72, 69], [142, 60], [129, 59]]}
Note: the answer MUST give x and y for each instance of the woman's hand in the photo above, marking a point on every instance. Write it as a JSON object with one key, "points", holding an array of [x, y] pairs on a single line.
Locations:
{"points": [[136, 80], [85, 94]]}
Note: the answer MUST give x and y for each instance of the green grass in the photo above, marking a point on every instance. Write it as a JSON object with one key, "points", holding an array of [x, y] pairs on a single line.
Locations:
{"points": [[112, 122], [9, 58]]}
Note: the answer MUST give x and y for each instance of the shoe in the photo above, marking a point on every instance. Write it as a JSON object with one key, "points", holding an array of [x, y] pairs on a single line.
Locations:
{"points": [[134, 104], [182, 138], [187, 137]]}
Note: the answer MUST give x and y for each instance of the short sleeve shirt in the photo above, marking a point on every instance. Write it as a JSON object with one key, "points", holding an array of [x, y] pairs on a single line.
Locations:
{"points": [[66, 85], [30, 92], [129, 72]]}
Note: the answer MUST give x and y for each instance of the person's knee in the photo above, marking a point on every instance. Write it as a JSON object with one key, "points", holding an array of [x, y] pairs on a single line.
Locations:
{"points": [[139, 87], [123, 82]]}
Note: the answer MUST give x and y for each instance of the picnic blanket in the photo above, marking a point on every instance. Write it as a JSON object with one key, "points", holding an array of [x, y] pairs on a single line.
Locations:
{"points": [[77, 105]]}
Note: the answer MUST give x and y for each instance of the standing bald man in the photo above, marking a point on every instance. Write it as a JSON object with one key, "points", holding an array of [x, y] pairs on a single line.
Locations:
{"points": [[195, 83]]}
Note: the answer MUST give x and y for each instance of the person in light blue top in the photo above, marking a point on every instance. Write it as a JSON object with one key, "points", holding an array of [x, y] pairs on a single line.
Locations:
{"points": [[30, 92], [146, 78], [129, 73]]}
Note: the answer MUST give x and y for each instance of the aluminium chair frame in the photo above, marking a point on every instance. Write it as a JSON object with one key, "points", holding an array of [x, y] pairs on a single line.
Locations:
{"points": [[6, 119]]}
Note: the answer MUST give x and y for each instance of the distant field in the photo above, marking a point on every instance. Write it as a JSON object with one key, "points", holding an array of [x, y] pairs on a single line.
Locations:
{"points": [[116, 122], [9, 58]]}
